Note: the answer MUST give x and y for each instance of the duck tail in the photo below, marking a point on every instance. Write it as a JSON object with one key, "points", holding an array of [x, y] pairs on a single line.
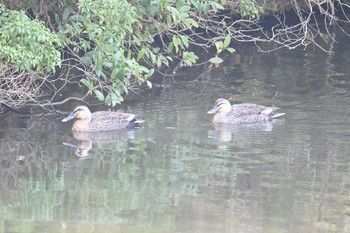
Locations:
{"points": [[275, 115], [270, 112], [135, 123]]}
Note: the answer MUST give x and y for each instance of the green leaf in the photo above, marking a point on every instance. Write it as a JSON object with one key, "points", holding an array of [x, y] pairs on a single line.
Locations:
{"points": [[170, 47], [78, 18], [216, 60], [149, 74], [99, 95], [121, 73], [169, 22], [184, 40], [227, 41], [219, 45], [189, 58], [153, 57], [88, 83], [195, 3], [66, 13], [216, 6], [231, 50], [184, 8], [188, 22], [176, 43], [140, 54]]}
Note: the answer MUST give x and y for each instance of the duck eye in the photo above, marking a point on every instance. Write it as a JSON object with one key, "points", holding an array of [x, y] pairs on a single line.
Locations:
{"points": [[77, 110]]}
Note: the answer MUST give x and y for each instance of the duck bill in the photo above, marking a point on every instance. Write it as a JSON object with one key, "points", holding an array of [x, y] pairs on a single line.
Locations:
{"points": [[68, 118], [213, 110]]}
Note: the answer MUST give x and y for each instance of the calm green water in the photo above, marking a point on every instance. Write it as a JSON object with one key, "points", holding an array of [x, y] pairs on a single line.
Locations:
{"points": [[180, 173]]}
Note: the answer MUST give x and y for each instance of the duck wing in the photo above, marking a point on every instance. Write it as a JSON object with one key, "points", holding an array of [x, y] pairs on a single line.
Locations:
{"points": [[252, 113], [111, 120], [238, 110]]}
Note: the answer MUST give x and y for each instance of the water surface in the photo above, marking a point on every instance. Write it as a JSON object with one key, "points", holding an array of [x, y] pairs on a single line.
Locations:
{"points": [[181, 173]]}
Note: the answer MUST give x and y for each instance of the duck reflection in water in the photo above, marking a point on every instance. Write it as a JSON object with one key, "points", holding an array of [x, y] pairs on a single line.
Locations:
{"points": [[87, 140], [225, 132]]}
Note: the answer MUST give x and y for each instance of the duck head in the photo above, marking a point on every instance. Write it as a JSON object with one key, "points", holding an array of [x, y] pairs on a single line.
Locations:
{"points": [[80, 112], [221, 105]]}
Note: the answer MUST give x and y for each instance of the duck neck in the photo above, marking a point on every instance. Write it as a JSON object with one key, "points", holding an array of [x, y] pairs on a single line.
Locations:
{"points": [[81, 125], [219, 117]]}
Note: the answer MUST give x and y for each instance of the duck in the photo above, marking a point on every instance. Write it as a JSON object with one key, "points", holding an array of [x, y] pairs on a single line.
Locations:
{"points": [[100, 121], [245, 113]]}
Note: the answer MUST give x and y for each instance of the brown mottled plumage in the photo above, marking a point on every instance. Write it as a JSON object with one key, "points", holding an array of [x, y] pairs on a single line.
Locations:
{"points": [[242, 113], [99, 121]]}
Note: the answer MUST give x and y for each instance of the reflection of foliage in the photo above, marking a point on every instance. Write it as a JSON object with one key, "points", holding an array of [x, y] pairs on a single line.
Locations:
{"points": [[142, 182], [120, 181]]}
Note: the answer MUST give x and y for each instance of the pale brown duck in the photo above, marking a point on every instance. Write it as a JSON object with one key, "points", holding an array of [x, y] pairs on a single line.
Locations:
{"points": [[245, 113], [100, 121]]}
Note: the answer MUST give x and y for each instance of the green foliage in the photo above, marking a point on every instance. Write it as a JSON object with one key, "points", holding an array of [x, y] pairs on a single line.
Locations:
{"points": [[103, 31], [117, 43], [249, 9], [118, 40], [189, 58], [177, 21], [220, 47], [26, 43], [202, 6]]}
